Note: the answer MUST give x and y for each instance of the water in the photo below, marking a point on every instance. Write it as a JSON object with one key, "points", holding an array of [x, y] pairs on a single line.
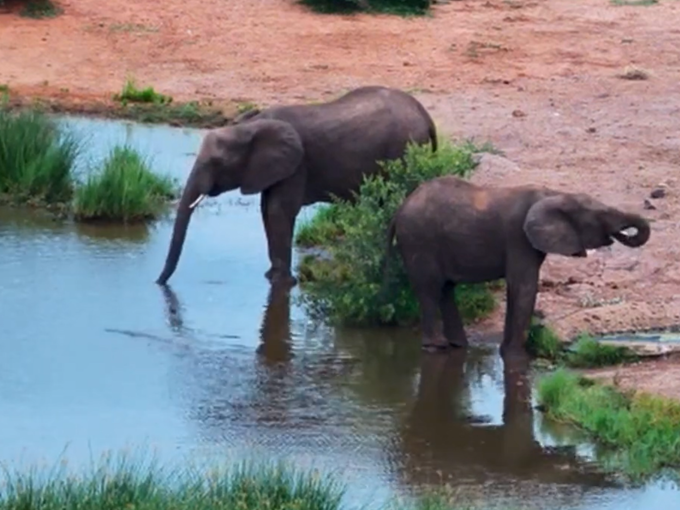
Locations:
{"points": [[96, 357]]}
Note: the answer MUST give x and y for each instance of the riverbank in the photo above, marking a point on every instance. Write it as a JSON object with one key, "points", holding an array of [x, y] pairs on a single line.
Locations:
{"points": [[578, 119]]}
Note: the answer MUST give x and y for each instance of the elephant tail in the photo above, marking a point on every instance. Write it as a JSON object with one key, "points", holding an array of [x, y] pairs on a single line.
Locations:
{"points": [[432, 130]]}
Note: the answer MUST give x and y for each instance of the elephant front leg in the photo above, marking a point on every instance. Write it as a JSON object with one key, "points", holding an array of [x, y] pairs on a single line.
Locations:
{"points": [[279, 224], [522, 286]]}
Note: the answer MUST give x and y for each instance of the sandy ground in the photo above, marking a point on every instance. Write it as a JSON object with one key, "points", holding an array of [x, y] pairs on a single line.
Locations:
{"points": [[541, 80]]}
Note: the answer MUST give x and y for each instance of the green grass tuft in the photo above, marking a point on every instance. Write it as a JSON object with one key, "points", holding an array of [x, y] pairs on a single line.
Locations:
{"points": [[542, 342], [131, 93], [346, 285], [133, 485], [641, 430], [124, 188], [398, 7], [36, 158], [634, 2], [589, 353], [585, 352], [39, 9]]}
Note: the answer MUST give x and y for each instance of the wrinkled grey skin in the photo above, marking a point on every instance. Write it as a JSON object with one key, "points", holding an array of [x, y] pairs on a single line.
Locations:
{"points": [[450, 231], [298, 155]]}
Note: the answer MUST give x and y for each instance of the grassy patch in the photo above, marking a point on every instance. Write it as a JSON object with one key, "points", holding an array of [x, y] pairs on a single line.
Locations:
{"points": [[39, 9], [123, 189], [398, 7], [634, 2], [123, 484], [585, 352], [36, 158], [175, 114], [641, 430], [346, 286], [131, 93]]}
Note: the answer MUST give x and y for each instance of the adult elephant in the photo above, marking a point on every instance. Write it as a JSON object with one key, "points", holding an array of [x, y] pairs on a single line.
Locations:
{"points": [[298, 155], [450, 231]]}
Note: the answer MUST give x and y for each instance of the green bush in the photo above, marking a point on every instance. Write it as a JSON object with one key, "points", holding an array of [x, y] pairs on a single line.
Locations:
{"points": [[346, 286], [36, 158], [400, 7], [641, 429], [123, 188]]}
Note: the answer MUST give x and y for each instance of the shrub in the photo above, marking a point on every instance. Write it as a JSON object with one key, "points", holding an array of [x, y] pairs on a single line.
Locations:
{"points": [[347, 286], [642, 429], [123, 188], [400, 7], [36, 158]]}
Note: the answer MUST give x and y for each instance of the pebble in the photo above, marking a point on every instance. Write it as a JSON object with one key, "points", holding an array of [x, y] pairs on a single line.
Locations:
{"points": [[658, 193]]}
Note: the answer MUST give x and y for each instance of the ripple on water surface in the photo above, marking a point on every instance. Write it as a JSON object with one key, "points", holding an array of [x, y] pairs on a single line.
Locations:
{"points": [[97, 357]]}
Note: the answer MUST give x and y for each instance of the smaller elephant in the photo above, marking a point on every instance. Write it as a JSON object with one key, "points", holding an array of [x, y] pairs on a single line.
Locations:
{"points": [[450, 231]]}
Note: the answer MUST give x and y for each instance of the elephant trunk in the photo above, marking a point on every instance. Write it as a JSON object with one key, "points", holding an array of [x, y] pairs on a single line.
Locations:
{"points": [[191, 197], [636, 222]]}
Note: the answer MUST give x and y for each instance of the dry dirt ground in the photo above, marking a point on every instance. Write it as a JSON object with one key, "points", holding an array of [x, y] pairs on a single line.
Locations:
{"points": [[542, 80]]}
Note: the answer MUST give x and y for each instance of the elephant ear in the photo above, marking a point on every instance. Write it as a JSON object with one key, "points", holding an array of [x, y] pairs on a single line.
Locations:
{"points": [[275, 153], [549, 229]]}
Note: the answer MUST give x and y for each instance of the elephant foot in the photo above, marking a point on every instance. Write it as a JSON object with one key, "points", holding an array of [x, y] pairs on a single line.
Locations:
{"points": [[458, 344], [434, 347], [513, 353], [281, 277]]}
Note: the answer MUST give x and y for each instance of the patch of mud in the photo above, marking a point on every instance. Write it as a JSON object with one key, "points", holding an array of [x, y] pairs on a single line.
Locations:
{"points": [[659, 377]]}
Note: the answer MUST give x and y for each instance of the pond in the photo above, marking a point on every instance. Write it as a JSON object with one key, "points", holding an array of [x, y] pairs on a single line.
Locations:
{"points": [[96, 357]]}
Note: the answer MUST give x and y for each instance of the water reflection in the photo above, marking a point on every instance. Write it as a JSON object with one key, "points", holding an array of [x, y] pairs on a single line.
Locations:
{"points": [[122, 235], [440, 442], [275, 334]]}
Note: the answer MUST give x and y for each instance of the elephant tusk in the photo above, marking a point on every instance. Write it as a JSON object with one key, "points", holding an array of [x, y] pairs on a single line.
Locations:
{"points": [[197, 201], [629, 232]]}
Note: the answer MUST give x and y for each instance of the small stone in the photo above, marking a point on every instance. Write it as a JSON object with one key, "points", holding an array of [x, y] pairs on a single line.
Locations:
{"points": [[658, 193], [648, 205], [518, 113], [591, 130]]}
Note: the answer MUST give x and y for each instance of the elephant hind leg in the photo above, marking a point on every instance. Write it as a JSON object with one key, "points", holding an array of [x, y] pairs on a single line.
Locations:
{"points": [[453, 323], [429, 299]]}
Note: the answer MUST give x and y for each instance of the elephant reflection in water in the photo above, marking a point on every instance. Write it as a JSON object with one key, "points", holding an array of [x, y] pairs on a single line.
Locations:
{"points": [[233, 389], [274, 331], [436, 443]]}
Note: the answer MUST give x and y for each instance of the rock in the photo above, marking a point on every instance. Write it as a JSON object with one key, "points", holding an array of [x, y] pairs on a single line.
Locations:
{"points": [[648, 205], [518, 113], [658, 193], [492, 169]]}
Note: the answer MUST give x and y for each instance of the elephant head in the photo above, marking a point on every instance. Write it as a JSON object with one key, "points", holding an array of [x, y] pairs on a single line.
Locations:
{"points": [[252, 155], [569, 224]]}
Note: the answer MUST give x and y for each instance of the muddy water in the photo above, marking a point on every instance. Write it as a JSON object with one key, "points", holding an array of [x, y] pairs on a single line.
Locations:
{"points": [[95, 357]]}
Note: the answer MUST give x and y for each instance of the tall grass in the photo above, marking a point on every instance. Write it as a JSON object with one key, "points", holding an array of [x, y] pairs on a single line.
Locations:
{"points": [[347, 286], [643, 430], [36, 158], [123, 188], [121, 484]]}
